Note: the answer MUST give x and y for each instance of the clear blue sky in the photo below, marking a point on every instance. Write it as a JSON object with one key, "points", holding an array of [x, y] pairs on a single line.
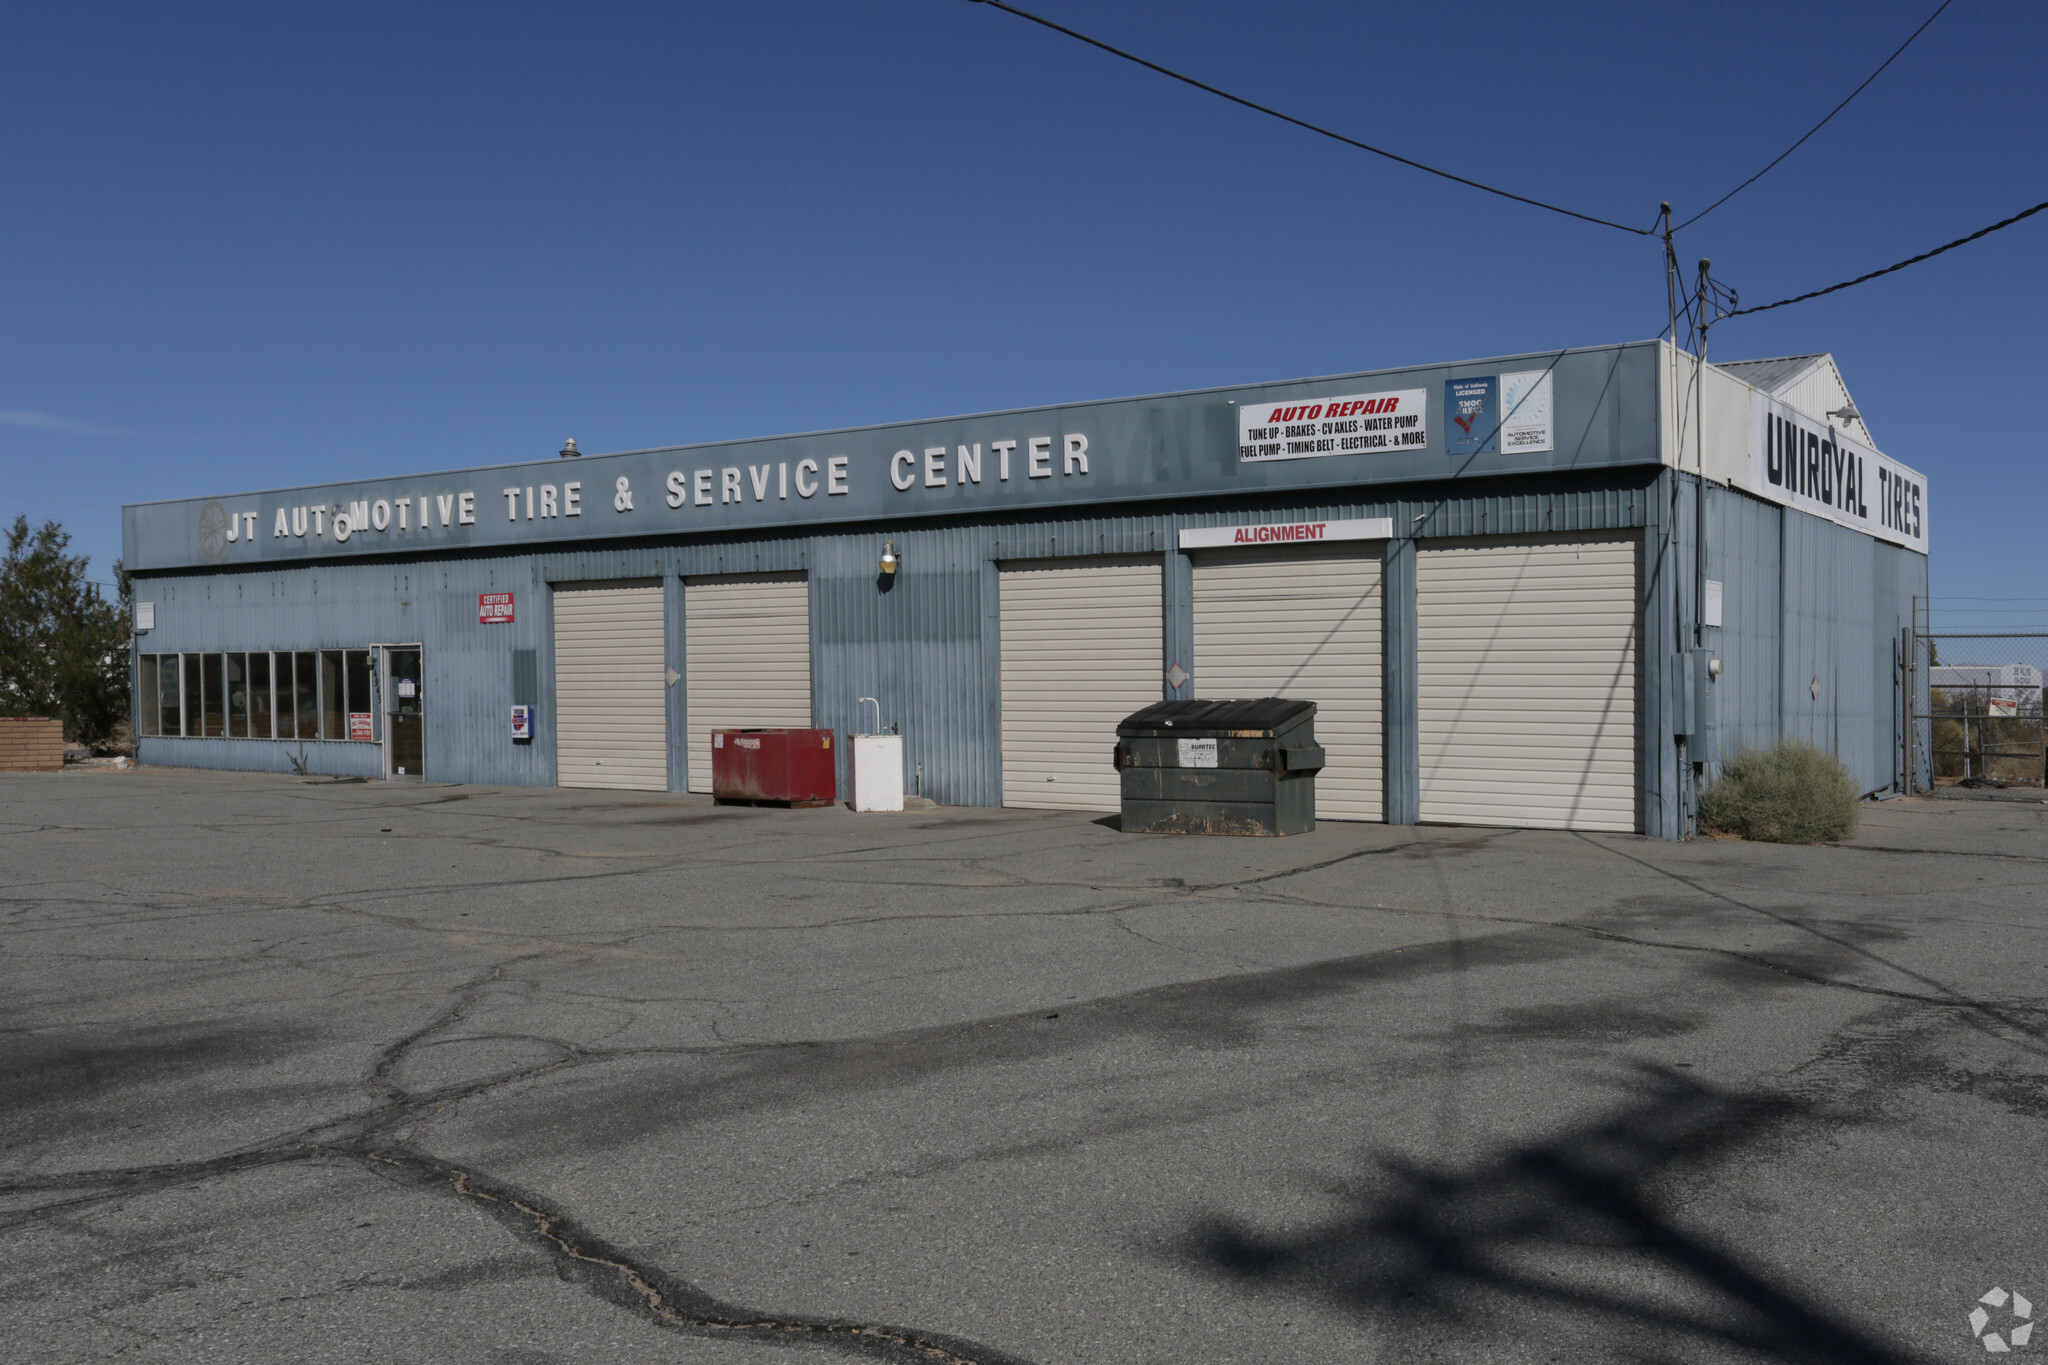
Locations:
{"points": [[250, 246]]}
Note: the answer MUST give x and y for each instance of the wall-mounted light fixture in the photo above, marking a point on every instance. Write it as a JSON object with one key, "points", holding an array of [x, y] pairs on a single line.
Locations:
{"points": [[889, 560]]}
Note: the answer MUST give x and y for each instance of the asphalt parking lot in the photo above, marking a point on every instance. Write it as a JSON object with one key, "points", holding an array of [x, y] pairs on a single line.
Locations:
{"points": [[311, 1071]]}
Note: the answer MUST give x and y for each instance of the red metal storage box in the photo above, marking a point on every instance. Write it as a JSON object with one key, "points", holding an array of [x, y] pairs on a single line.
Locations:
{"points": [[789, 767]]}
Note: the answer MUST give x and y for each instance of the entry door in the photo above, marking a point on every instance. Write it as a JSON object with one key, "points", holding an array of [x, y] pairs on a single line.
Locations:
{"points": [[1526, 682], [611, 688], [747, 652], [1302, 624], [1082, 646], [405, 720]]}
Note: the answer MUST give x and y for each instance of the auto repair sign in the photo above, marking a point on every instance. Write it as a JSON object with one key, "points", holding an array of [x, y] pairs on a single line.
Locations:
{"points": [[1349, 424], [494, 608]]}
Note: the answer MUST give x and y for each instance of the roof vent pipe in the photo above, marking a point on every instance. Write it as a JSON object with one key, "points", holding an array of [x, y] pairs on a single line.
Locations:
{"points": [[569, 450]]}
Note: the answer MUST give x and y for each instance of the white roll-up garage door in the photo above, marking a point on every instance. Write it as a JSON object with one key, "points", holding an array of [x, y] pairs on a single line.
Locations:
{"points": [[611, 722], [747, 653], [1526, 682], [1081, 650], [1303, 624]]}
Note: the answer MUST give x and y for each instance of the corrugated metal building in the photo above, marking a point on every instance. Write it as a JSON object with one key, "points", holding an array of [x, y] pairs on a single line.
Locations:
{"points": [[1543, 590]]}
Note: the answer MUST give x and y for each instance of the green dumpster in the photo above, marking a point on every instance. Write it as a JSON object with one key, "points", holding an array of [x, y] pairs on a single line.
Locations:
{"points": [[1219, 767]]}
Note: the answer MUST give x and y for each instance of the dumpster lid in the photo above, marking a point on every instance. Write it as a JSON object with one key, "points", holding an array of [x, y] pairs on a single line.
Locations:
{"points": [[1263, 715]]}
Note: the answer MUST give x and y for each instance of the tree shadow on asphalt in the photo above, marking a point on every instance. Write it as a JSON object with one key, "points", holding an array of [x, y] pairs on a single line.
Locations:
{"points": [[1539, 1226]]}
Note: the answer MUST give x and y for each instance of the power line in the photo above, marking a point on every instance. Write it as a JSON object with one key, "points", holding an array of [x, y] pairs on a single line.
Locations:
{"points": [[1818, 126], [1911, 260], [1303, 123]]}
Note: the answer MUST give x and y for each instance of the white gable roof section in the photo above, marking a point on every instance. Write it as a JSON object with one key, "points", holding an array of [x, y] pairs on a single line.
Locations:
{"points": [[1843, 477], [1811, 383]]}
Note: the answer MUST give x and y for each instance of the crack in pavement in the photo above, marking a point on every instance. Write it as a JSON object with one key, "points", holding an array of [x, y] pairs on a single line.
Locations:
{"points": [[611, 1273], [680, 1306]]}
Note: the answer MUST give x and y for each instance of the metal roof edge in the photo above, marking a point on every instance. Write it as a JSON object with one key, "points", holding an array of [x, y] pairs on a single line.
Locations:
{"points": [[1219, 391]]}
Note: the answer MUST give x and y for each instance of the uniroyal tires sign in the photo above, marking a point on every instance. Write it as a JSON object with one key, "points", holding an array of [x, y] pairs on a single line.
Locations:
{"points": [[1817, 468]]}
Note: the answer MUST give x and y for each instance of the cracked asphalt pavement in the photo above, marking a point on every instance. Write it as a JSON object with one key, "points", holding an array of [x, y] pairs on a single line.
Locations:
{"points": [[318, 1071]]}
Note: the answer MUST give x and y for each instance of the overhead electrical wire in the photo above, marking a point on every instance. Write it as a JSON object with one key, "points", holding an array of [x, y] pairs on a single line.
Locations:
{"points": [[1348, 141], [1911, 260], [1818, 126], [1303, 123]]}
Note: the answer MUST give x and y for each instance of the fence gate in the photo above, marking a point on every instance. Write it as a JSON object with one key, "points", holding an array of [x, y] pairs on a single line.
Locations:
{"points": [[1977, 709]]}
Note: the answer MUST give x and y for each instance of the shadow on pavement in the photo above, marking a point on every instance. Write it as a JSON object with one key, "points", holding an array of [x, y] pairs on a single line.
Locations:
{"points": [[1566, 1225]]}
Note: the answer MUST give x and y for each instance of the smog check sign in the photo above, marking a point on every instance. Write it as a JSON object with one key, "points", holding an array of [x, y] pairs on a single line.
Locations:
{"points": [[1286, 533]]}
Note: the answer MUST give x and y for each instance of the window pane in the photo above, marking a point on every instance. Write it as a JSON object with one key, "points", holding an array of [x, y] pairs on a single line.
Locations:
{"points": [[306, 693], [212, 698], [359, 703], [333, 708], [191, 695], [287, 696], [237, 668], [148, 704], [167, 673], [259, 696]]}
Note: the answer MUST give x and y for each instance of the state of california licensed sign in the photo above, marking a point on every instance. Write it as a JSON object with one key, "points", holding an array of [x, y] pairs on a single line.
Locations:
{"points": [[1350, 424]]}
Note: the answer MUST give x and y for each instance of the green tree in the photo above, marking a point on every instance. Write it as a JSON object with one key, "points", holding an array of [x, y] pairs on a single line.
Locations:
{"points": [[63, 646]]}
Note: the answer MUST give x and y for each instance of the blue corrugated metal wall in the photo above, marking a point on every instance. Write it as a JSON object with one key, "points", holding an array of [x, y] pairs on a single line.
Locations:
{"points": [[1742, 553], [1811, 618], [929, 646]]}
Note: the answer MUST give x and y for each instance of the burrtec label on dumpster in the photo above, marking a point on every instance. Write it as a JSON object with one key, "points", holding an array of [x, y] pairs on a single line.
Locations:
{"points": [[1197, 753]]}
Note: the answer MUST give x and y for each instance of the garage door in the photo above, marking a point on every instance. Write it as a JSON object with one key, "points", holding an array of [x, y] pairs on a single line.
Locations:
{"points": [[1301, 624], [1081, 650], [611, 723], [1526, 686], [747, 652]]}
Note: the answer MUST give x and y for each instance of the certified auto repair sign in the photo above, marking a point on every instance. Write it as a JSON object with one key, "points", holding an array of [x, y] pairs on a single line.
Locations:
{"points": [[1351, 424]]}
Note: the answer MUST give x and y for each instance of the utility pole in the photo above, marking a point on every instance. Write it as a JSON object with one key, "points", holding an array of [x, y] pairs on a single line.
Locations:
{"points": [[1670, 275], [1699, 531]]}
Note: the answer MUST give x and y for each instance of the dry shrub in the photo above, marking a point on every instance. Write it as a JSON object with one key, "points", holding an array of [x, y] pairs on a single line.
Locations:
{"points": [[1791, 793]]}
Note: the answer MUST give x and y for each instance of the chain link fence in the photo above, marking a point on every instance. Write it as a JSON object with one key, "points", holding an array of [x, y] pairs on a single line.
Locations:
{"points": [[1978, 714]]}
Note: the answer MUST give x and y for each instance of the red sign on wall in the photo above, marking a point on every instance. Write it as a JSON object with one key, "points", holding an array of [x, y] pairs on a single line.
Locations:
{"points": [[494, 608], [359, 726]]}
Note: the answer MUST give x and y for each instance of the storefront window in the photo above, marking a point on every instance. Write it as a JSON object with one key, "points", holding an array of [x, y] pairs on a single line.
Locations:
{"points": [[333, 699], [311, 694], [148, 702], [306, 693], [259, 697], [236, 669], [362, 711], [213, 712], [194, 694]]}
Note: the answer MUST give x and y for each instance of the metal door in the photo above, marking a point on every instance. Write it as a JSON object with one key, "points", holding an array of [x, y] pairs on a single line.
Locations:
{"points": [[1306, 625], [1082, 642], [611, 693], [403, 684], [747, 654], [1526, 682]]}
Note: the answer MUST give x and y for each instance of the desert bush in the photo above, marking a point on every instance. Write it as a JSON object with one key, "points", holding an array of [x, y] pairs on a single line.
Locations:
{"points": [[1791, 793]]}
